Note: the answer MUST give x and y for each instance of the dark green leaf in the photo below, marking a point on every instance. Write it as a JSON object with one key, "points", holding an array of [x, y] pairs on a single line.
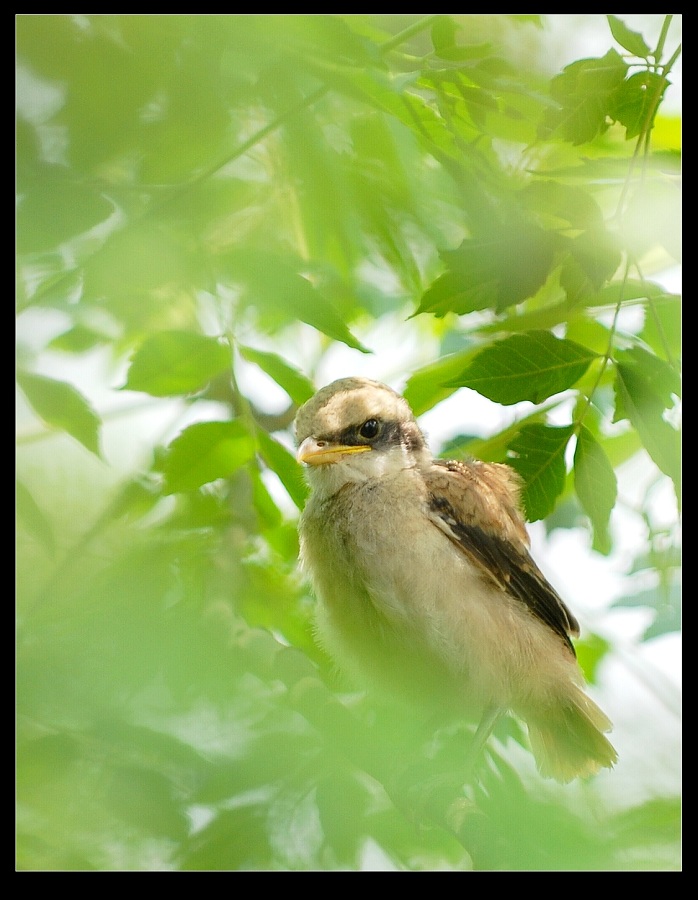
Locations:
{"points": [[636, 101], [297, 386], [538, 455], [176, 362], [596, 486], [584, 91], [629, 40], [205, 452], [498, 271], [61, 406], [531, 366]]}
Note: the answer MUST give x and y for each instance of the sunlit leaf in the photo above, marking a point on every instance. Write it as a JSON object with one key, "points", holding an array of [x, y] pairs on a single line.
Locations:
{"points": [[176, 362], [297, 386], [591, 650], [427, 386], [635, 401], [531, 366], [632, 41], [204, 452], [538, 455], [272, 282], [284, 464], [62, 406], [596, 486]]}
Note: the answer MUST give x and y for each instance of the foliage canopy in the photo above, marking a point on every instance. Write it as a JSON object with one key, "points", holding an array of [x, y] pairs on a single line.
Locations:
{"points": [[210, 208]]}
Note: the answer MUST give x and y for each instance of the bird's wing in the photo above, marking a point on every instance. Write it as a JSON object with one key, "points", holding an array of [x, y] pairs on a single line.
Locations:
{"points": [[476, 505]]}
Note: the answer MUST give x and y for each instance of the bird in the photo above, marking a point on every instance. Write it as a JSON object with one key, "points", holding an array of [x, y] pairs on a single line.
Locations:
{"points": [[425, 583]]}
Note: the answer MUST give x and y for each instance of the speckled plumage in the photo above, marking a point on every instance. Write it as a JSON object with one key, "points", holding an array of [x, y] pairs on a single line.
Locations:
{"points": [[425, 581]]}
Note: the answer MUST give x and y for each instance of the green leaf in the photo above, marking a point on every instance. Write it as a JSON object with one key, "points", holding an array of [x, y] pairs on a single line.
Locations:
{"points": [[593, 259], [596, 486], [279, 460], [538, 455], [636, 101], [531, 366], [591, 651], [78, 339], [666, 604], [584, 91], [562, 201], [498, 270], [204, 452], [272, 282], [443, 32], [171, 363], [658, 377], [643, 400], [30, 515], [632, 41], [297, 386], [426, 387], [61, 406]]}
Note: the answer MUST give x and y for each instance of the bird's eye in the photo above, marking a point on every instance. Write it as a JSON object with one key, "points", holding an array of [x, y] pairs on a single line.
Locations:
{"points": [[369, 429]]}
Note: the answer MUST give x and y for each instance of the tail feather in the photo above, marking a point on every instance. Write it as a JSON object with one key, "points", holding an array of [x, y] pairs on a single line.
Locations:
{"points": [[568, 741]]}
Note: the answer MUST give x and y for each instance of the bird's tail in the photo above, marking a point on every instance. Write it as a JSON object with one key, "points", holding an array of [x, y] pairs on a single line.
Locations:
{"points": [[568, 741]]}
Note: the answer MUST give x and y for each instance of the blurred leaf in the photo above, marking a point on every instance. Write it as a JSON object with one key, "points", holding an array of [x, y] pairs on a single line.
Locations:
{"points": [[176, 362], [204, 452], [273, 283], [297, 386], [667, 607], [630, 40], [443, 32], [564, 202], [285, 465], [596, 486], [426, 387], [62, 406], [79, 339], [591, 651], [538, 455], [594, 259], [33, 519], [496, 271], [531, 366], [53, 208]]}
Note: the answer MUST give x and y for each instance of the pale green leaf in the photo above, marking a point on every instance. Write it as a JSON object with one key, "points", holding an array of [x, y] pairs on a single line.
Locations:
{"points": [[204, 452]]}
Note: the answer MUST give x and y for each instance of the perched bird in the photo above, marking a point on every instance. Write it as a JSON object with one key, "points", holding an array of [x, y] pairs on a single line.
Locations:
{"points": [[425, 581]]}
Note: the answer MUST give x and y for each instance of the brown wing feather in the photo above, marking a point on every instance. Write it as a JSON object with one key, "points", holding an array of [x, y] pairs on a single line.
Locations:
{"points": [[476, 504]]}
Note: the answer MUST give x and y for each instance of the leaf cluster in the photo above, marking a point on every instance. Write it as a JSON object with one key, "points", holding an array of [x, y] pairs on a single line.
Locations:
{"points": [[209, 207]]}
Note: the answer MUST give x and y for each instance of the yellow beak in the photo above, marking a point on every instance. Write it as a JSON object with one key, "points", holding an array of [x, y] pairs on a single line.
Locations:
{"points": [[320, 453]]}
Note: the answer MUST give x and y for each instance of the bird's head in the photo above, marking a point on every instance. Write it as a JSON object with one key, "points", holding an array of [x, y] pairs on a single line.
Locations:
{"points": [[354, 430]]}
